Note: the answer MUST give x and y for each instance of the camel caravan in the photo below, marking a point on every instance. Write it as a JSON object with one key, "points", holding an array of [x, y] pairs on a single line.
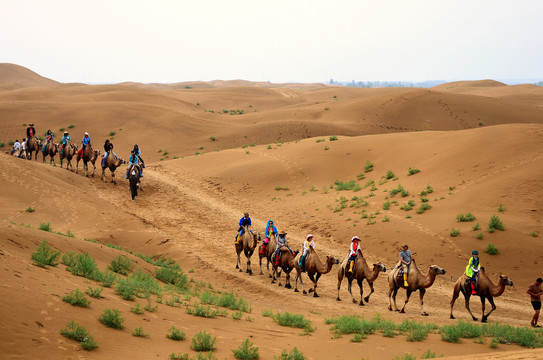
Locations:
{"points": [[274, 249], [66, 151]]}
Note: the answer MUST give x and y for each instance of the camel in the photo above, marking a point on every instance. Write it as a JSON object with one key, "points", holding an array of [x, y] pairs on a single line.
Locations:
{"points": [[361, 271], [34, 145], [416, 281], [247, 244], [486, 291], [315, 269], [68, 153], [51, 150], [112, 164], [286, 262], [268, 252], [87, 155]]}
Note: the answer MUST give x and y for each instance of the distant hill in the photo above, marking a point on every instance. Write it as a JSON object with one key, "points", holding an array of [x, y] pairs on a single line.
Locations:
{"points": [[13, 76]]}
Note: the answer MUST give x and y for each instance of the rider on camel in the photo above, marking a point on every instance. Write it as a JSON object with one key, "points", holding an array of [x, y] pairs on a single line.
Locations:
{"points": [[281, 241], [472, 271], [268, 232], [133, 161], [48, 137], [108, 146], [137, 151], [307, 244], [86, 141], [30, 132], [405, 261], [355, 245], [245, 220], [66, 138]]}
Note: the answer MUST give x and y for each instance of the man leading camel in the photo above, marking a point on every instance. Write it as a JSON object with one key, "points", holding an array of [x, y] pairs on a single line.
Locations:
{"points": [[535, 296], [405, 261]]}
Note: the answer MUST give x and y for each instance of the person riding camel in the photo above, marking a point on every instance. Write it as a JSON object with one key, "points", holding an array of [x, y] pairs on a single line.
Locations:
{"points": [[66, 138], [405, 261], [108, 146], [268, 232], [307, 244], [48, 137], [137, 151], [472, 272], [281, 241], [16, 147], [355, 245], [30, 132], [86, 141], [132, 161], [245, 220]]}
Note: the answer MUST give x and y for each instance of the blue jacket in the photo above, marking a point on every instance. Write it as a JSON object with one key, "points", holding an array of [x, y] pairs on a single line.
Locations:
{"points": [[65, 139], [274, 229], [86, 140], [133, 159], [245, 221]]}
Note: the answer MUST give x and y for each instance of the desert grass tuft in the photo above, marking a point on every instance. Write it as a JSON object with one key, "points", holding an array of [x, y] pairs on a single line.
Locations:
{"points": [[44, 255], [77, 298], [176, 334], [112, 318], [203, 341], [246, 351]]}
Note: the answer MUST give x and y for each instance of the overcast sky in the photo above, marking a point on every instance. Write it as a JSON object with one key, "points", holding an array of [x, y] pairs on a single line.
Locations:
{"points": [[277, 40]]}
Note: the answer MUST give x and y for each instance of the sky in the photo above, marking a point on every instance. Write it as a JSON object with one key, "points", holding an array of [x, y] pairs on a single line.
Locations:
{"points": [[167, 41]]}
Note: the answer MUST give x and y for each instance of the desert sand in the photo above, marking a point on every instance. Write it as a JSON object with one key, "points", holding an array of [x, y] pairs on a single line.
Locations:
{"points": [[275, 151]]}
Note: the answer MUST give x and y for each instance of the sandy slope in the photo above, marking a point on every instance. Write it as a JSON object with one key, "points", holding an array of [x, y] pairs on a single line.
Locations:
{"points": [[190, 207]]}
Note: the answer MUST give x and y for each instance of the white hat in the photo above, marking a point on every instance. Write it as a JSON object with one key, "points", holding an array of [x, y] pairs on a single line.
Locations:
{"points": [[308, 236], [355, 238], [86, 133]]}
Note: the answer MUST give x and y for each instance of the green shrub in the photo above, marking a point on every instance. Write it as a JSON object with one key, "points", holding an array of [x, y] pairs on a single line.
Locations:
{"points": [[386, 205], [121, 265], [113, 246], [389, 175], [85, 266], [428, 190], [501, 208], [89, 343], [70, 234], [349, 185], [150, 308], [95, 293], [333, 138], [368, 167], [227, 300], [202, 311], [172, 275], [137, 309], [465, 218], [412, 171], [112, 319], [479, 236], [237, 315], [495, 224], [77, 298], [294, 354], [534, 234], [454, 232], [179, 356], [71, 126], [2, 144], [358, 338], [30, 209], [491, 249], [212, 138], [44, 255], [112, 133], [45, 227], [74, 331], [176, 334], [246, 351], [293, 320], [203, 341], [423, 207], [139, 332], [108, 278], [267, 313], [476, 227]]}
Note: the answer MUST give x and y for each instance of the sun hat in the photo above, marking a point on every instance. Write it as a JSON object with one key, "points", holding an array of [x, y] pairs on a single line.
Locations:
{"points": [[355, 238], [65, 132], [282, 232], [86, 133], [31, 124], [308, 236]]}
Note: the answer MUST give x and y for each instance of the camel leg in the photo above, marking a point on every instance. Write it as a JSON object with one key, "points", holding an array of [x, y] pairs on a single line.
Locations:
{"points": [[238, 261], [299, 276], [367, 298], [491, 301], [315, 279], [339, 279], [359, 282], [456, 293], [94, 169], [467, 297], [408, 295], [103, 177], [287, 279], [113, 178], [350, 288], [260, 263], [422, 292]]}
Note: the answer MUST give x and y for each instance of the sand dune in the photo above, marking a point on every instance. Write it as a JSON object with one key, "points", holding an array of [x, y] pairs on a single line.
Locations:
{"points": [[277, 161], [14, 76]]}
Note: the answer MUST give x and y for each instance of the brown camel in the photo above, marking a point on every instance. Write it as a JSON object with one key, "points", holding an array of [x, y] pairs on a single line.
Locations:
{"points": [[267, 253], [34, 145], [68, 153], [87, 155], [416, 281], [51, 150], [361, 271], [111, 163], [486, 291], [247, 244], [286, 262], [314, 267]]}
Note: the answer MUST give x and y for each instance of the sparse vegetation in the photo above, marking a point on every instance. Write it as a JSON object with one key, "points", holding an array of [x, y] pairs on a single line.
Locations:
{"points": [[534, 234], [30, 209], [112, 133], [94, 293], [45, 227], [281, 188], [294, 354], [389, 175], [138, 310], [326, 148], [293, 320], [454, 232], [479, 236], [476, 227], [246, 351], [426, 191], [423, 207], [76, 298], [77, 332], [112, 319], [176, 334], [320, 140], [491, 249], [85, 266], [412, 171], [44, 255], [465, 217], [501, 208], [203, 341], [495, 224], [121, 265], [138, 332], [368, 167], [333, 138]]}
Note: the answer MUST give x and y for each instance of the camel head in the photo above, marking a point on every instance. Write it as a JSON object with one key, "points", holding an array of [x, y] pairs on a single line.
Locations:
{"points": [[380, 266], [436, 270], [331, 260], [505, 280]]}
